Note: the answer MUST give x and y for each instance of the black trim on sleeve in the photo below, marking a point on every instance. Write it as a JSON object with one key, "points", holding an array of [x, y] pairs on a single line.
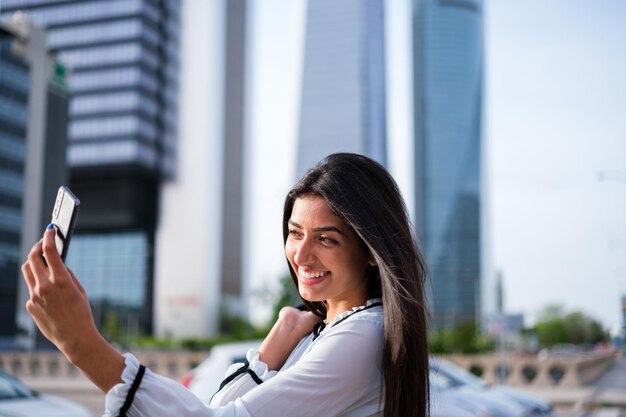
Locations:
{"points": [[254, 376], [245, 369], [229, 378], [131, 392]]}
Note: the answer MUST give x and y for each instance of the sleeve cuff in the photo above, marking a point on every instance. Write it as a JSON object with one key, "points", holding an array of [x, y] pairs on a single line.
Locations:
{"points": [[241, 378], [116, 397], [255, 364]]}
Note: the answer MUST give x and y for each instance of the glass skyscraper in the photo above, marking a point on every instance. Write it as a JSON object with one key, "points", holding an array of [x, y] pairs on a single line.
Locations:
{"points": [[448, 82], [123, 61], [14, 86], [343, 84], [33, 122]]}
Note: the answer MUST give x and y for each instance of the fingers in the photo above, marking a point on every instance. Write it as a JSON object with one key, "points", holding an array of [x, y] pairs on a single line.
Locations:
{"points": [[38, 273], [29, 278], [37, 268], [76, 282], [50, 252]]}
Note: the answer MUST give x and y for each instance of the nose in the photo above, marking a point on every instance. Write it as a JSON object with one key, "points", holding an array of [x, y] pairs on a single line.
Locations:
{"points": [[304, 253]]}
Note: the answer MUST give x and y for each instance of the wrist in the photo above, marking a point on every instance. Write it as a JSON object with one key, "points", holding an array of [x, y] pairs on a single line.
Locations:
{"points": [[98, 360], [82, 349]]}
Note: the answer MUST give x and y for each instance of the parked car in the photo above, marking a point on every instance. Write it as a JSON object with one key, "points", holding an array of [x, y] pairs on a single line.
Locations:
{"points": [[450, 403], [17, 400], [495, 404], [533, 405]]}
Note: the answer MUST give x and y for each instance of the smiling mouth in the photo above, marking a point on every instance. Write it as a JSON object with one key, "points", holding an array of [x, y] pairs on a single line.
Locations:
{"points": [[312, 278]]}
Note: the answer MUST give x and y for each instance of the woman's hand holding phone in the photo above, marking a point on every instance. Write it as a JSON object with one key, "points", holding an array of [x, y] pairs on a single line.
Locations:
{"points": [[60, 307]]}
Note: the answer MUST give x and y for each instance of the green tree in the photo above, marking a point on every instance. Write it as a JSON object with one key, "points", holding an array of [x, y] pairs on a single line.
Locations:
{"points": [[555, 326], [463, 338], [551, 332]]}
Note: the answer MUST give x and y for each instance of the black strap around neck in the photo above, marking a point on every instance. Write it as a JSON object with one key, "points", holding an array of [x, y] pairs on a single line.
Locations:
{"points": [[320, 326]]}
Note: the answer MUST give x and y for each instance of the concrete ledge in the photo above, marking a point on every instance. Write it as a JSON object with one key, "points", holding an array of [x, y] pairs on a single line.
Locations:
{"points": [[528, 371]]}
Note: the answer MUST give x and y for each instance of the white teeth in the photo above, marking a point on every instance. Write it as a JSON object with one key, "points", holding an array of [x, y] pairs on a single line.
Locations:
{"points": [[308, 275]]}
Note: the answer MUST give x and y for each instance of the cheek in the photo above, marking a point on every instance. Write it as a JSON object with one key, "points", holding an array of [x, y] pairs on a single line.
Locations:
{"points": [[358, 261], [289, 251]]}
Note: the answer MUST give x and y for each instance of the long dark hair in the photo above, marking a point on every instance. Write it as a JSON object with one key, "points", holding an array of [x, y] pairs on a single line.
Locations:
{"points": [[363, 194]]}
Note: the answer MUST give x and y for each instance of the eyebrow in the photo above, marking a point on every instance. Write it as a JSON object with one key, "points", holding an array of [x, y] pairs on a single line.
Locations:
{"points": [[320, 229]]}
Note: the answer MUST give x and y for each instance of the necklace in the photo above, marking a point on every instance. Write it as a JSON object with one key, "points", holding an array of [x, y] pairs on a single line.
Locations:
{"points": [[321, 325]]}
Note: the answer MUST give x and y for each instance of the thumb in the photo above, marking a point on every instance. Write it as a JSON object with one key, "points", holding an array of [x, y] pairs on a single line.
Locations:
{"points": [[50, 253]]}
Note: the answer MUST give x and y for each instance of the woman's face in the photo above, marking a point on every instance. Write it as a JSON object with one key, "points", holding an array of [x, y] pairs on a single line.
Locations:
{"points": [[327, 256]]}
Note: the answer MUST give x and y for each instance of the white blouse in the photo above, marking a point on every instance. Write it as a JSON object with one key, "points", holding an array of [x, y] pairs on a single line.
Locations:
{"points": [[336, 374]]}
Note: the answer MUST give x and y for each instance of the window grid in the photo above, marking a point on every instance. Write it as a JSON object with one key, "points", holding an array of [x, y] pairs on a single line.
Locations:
{"points": [[126, 151], [111, 126], [57, 15], [112, 266], [12, 146], [13, 112], [11, 184], [16, 77], [121, 101], [103, 55], [93, 33], [119, 77]]}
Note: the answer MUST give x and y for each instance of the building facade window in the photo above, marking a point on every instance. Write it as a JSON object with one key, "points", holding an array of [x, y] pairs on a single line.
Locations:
{"points": [[73, 13], [112, 267], [99, 33], [111, 126]]}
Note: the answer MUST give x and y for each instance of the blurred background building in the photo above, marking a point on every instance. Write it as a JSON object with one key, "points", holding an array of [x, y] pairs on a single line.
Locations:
{"points": [[343, 109], [14, 83], [122, 131], [158, 244], [448, 89], [199, 280], [343, 82], [33, 125]]}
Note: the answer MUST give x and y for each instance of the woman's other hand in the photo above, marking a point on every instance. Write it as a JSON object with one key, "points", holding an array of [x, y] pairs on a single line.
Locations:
{"points": [[292, 325], [60, 307]]}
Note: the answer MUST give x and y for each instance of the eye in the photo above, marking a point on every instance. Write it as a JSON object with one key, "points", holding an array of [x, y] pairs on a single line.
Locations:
{"points": [[294, 234], [328, 241]]}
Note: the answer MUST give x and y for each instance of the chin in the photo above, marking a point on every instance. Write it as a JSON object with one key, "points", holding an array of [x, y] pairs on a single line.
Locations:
{"points": [[311, 298]]}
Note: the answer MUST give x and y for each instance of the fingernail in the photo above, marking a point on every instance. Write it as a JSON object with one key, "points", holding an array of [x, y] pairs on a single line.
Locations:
{"points": [[50, 226]]}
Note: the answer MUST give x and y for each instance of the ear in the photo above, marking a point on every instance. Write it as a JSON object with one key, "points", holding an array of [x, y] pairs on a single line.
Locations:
{"points": [[372, 262]]}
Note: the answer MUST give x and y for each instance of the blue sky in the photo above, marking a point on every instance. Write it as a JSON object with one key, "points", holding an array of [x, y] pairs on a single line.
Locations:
{"points": [[555, 95]]}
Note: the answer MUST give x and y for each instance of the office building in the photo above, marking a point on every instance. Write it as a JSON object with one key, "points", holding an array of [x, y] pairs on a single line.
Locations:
{"points": [[343, 83], [448, 83], [199, 257], [33, 122], [122, 56], [14, 85]]}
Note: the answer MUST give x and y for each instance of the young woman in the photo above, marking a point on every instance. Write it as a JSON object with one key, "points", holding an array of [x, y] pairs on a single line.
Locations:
{"points": [[360, 351]]}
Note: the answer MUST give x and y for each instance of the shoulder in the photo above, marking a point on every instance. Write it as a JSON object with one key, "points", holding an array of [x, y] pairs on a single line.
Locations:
{"points": [[373, 315], [363, 324]]}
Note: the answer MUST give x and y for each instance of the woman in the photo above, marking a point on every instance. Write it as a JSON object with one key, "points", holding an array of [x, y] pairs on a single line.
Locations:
{"points": [[351, 254]]}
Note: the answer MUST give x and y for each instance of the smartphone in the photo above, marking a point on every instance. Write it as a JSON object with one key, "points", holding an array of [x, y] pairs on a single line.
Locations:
{"points": [[64, 217]]}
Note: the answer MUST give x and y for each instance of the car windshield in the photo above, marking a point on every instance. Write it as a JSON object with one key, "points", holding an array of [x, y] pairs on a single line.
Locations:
{"points": [[459, 375], [12, 388]]}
